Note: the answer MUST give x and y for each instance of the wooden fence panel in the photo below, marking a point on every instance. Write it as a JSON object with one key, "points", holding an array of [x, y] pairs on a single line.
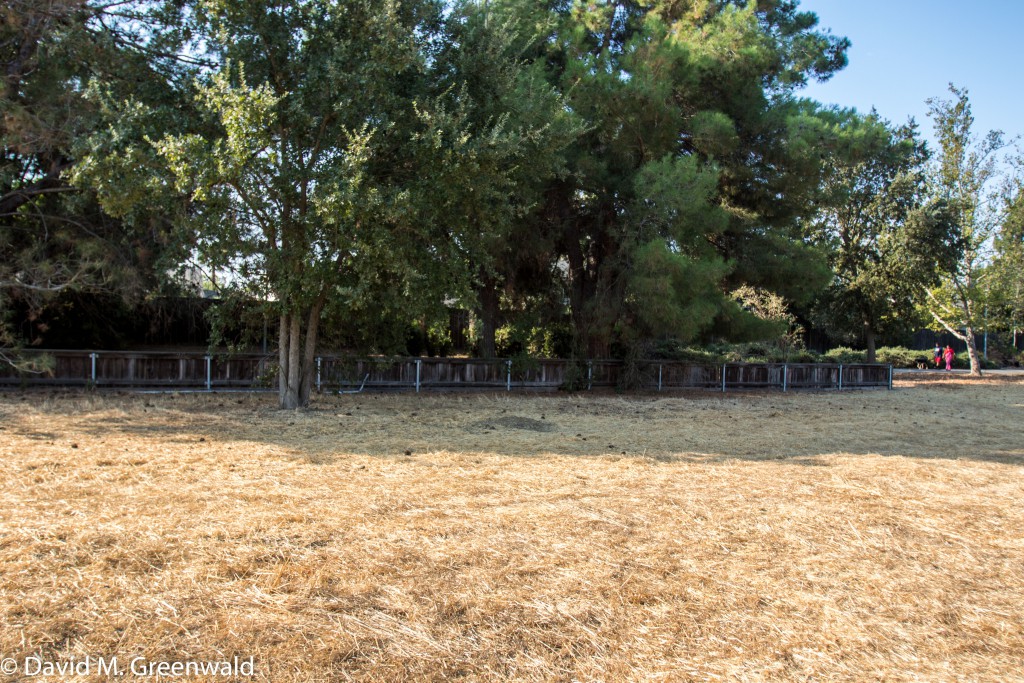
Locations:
{"points": [[752, 376], [467, 373], [346, 373], [605, 373], [812, 376], [541, 373], [241, 371], [688, 376], [864, 375]]}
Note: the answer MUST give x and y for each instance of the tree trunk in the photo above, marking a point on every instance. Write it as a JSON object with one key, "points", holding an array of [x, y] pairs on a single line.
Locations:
{"points": [[972, 348], [297, 356], [488, 314], [292, 371], [869, 341], [972, 352], [282, 359], [599, 348], [967, 336], [309, 355]]}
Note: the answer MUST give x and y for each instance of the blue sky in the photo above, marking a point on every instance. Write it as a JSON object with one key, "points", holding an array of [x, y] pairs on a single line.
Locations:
{"points": [[905, 51]]}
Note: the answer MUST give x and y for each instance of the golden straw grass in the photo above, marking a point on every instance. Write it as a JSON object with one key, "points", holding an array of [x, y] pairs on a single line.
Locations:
{"points": [[869, 535]]}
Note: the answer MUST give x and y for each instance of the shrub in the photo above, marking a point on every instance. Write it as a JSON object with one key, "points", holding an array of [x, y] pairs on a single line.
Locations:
{"points": [[713, 354], [804, 356], [901, 357], [843, 354], [962, 361]]}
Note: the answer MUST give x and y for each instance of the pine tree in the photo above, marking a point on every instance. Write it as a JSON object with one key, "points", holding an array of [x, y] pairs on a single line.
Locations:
{"points": [[696, 163], [56, 235]]}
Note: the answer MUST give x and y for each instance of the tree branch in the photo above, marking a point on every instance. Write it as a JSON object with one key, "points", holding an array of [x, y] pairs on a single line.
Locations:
{"points": [[952, 330]]}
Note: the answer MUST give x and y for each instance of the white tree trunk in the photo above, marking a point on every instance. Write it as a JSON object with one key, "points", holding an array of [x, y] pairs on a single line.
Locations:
{"points": [[972, 353]]}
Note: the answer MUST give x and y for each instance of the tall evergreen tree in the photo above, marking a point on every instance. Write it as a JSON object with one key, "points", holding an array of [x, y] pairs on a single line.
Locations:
{"points": [[696, 162], [524, 127], [55, 236]]}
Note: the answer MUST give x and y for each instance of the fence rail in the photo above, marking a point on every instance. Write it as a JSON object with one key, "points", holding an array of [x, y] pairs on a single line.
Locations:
{"points": [[172, 370]]}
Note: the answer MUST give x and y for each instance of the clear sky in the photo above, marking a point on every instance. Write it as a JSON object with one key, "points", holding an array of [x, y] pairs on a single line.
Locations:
{"points": [[905, 51]]}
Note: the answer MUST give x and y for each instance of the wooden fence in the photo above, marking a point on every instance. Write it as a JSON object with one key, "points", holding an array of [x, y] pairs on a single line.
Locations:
{"points": [[154, 370]]}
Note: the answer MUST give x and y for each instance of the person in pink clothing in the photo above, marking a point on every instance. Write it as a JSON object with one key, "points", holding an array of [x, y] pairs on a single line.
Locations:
{"points": [[949, 355]]}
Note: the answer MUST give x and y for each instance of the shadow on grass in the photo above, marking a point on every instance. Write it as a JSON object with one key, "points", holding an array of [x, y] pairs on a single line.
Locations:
{"points": [[982, 422]]}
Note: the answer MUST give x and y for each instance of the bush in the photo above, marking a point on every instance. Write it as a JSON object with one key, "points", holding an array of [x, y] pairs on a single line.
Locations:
{"points": [[962, 361], [575, 377], [901, 357], [804, 356], [671, 350], [842, 354]]}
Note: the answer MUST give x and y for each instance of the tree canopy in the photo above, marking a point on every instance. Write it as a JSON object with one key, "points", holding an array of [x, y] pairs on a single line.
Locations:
{"points": [[55, 234], [629, 172], [965, 175], [888, 240]]}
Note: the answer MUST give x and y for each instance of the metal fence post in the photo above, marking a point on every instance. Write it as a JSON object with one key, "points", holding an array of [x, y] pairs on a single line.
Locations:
{"points": [[93, 374], [659, 376], [209, 376], [318, 382], [723, 377], [785, 375], [418, 364], [890, 378], [840, 377], [590, 375], [508, 375]]}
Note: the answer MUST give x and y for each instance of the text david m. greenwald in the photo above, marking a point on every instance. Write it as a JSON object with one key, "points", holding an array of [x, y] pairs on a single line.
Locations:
{"points": [[137, 666]]}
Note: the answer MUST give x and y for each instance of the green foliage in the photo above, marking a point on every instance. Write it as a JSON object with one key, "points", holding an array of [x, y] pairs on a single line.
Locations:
{"points": [[887, 242], [669, 293], [56, 234], [900, 357], [897, 356], [516, 128], [1005, 286], [843, 354], [589, 178], [671, 349], [695, 164], [786, 339], [965, 173], [575, 377]]}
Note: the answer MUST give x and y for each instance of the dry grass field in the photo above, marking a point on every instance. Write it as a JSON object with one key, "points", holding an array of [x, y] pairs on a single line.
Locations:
{"points": [[855, 536]]}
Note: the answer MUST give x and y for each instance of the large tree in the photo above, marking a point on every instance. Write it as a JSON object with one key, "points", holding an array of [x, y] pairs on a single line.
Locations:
{"points": [[301, 179], [485, 72], [887, 241], [55, 235], [342, 158], [964, 175], [696, 163]]}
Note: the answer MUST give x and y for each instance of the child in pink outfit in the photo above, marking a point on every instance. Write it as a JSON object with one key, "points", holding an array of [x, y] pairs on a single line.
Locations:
{"points": [[949, 355]]}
